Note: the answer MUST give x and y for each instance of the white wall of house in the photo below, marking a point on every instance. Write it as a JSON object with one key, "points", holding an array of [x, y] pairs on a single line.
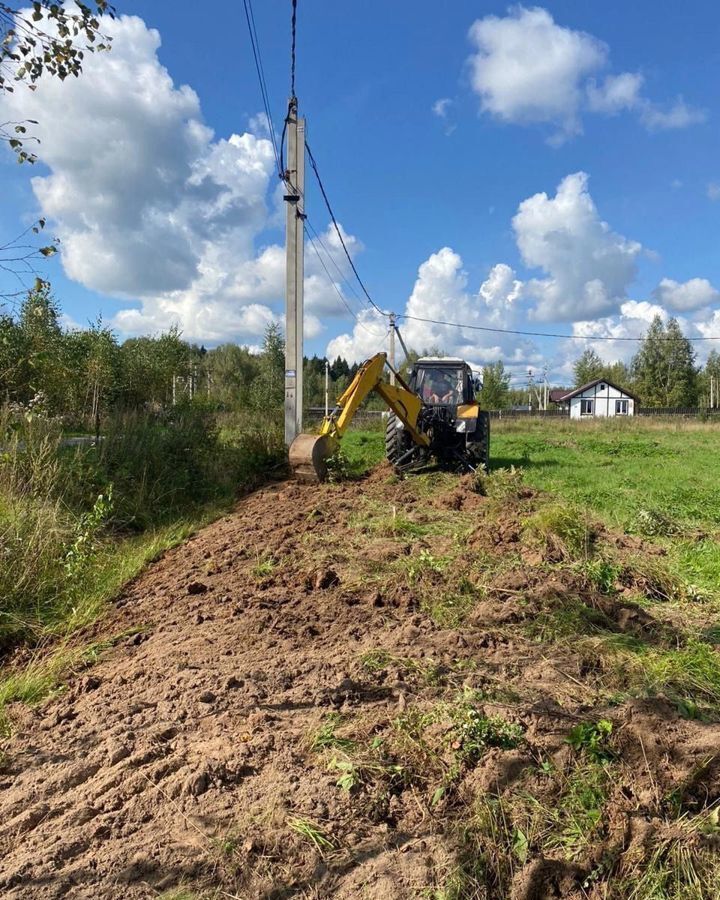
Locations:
{"points": [[601, 401]]}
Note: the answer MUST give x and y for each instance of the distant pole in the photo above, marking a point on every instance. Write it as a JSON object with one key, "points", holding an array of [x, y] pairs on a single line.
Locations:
{"points": [[327, 388], [392, 348], [295, 272], [530, 387]]}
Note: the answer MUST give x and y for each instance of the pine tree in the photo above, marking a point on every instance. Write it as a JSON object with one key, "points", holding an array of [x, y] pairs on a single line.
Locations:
{"points": [[270, 393]]}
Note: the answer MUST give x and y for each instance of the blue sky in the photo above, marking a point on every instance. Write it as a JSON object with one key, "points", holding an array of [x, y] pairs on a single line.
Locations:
{"points": [[609, 110]]}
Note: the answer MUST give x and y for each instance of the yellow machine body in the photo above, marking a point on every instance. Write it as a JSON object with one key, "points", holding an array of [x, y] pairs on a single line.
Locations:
{"points": [[309, 452]]}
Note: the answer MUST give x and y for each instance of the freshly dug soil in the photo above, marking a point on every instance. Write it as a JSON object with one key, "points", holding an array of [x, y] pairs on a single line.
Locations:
{"points": [[187, 758]]}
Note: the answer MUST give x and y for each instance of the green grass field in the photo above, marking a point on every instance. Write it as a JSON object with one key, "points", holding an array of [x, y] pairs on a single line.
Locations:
{"points": [[653, 478]]}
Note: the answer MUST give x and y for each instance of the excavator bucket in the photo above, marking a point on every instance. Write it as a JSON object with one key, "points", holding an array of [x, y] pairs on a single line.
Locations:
{"points": [[309, 454]]}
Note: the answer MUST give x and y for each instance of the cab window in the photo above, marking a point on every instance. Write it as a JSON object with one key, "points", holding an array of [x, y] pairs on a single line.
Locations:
{"points": [[440, 386]]}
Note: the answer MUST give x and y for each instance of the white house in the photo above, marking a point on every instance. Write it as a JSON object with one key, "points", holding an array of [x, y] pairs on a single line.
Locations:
{"points": [[598, 399]]}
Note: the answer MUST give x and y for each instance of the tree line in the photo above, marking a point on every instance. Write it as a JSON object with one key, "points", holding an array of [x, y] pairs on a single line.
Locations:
{"points": [[662, 373], [85, 374]]}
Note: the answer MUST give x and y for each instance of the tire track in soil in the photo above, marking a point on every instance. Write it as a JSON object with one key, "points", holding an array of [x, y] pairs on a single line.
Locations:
{"points": [[178, 758]]}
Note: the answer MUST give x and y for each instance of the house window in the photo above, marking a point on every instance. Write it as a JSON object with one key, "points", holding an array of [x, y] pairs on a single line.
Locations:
{"points": [[602, 387], [621, 407], [586, 407]]}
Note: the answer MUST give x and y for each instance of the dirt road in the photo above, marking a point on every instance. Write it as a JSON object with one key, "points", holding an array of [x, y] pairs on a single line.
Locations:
{"points": [[283, 718]]}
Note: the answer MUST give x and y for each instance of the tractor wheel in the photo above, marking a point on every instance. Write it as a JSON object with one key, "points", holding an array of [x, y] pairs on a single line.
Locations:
{"points": [[480, 448], [396, 440]]}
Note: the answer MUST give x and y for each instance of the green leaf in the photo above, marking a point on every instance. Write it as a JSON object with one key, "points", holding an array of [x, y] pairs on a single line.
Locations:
{"points": [[520, 845]]}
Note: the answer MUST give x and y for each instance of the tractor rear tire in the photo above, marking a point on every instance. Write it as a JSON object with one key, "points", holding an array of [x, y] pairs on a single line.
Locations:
{"points": [[392, 439], [396, 440], [481, 448]]}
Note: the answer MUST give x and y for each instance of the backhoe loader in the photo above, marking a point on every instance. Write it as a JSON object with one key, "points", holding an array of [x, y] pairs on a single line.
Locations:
{"points": [[434, 416]]}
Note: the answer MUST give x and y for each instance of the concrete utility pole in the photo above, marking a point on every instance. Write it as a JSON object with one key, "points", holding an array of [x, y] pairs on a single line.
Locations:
{"points": [[295, 273], [327, 388], [392, 347]]}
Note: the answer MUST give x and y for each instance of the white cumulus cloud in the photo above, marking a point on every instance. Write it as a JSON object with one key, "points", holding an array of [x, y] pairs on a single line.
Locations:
{"points": [[441, 293], [589, 267], [151, 207], [686, 296], [616, 93], [440, 107], [679, 115], [526, 68]]}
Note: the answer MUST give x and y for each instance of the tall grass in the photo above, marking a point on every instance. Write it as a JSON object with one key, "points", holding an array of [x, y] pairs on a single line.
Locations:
{"points": [[76, 521]]}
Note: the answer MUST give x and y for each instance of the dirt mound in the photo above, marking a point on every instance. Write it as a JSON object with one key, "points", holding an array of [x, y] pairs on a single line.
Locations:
{"points": [[286, 717]]}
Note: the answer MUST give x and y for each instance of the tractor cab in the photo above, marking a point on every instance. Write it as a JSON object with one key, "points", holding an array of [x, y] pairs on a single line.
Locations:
{"points": [[442, 382]]}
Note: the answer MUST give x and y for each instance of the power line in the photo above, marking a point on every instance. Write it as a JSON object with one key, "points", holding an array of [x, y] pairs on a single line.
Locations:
{"points": [[339, 233], [343, 277], [335, 287], [293, 25], [572, 337], [250, 17]]}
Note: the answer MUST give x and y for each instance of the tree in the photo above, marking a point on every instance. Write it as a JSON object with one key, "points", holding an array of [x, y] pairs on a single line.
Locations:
{"points": [[232, 371], [13, 358], [495, 387], [587, 367], [711, 371], [339, 368], [664, 366], [270, 392], [43, 344], [48, 38]]}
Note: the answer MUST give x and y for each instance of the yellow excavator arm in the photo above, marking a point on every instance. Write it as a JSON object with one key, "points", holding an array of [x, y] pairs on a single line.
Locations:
{"points": [[309, 452]]}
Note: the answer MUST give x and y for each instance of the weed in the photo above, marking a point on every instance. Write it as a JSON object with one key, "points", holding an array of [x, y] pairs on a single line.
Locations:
{"points": [[654, 579], [571, 617], [450, 737], [473, 733], [338, 467], [654, 523], [312, 833], [423, 563], [592, 738], [426, 671], [448, 609], [505, 483], [565, 530], [327, 739], [350, 776], [602, 574], [687, 675], [676, 868], [578, 812], [376, 660], [263, 567], [85, 542]]}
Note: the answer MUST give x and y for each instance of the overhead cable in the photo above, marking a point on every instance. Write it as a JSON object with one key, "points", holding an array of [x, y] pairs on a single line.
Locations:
{"points": [[546, 334], [293, 28], [250, 17], [336, 288], [313, 164]]}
